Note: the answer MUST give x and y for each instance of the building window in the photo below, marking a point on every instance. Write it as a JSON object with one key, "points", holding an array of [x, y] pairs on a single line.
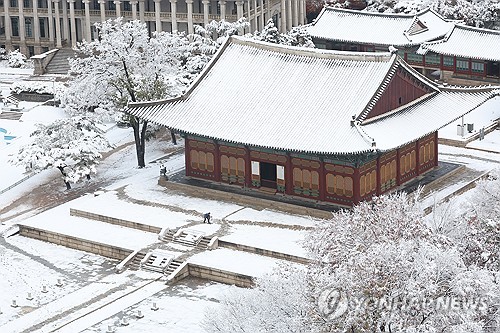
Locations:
{"points": [[339, 185], [13, 3], [305, 179], [388, 175], [432, 59], [462, 64], [477, 67], [27, 3], [368, 183], [42, 27], [111, 5], [426, 153], [415, 58], [96, 5], [202, 161], [15, 26], [42, 4], [447, 61], [28, 27], [407, 163], [127, 6], [232, 168]]}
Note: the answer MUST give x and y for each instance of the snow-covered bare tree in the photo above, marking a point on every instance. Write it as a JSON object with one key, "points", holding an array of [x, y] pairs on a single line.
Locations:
{"points": [[377, 268], [126, 65], [479, 237], [72, 145], [298, 36], [278, 303], [389, 272]]}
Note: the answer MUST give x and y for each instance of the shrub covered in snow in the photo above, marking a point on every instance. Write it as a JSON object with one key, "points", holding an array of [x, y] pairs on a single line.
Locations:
{"points": [[16, 59], [36, 87]]}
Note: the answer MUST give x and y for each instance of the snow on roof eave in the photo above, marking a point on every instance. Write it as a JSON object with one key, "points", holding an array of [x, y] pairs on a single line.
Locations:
{"points": [[446, 124], [399, 109], [354, 152], [409, 44]]}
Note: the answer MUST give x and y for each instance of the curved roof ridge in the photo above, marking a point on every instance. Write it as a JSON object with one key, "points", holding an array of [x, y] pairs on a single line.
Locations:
{"points": [[305, 51]]}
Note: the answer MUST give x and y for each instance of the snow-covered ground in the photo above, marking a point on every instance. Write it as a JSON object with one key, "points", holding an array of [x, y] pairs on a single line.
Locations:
{"points": [[481, 117], [92, 297]]}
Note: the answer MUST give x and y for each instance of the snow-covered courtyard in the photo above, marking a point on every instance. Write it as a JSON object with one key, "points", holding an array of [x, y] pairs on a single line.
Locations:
{"points": [[52, 288]]}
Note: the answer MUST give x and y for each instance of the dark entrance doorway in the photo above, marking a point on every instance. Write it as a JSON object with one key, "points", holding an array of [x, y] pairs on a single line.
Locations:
{"points": [[493, 69], [268, 175]]}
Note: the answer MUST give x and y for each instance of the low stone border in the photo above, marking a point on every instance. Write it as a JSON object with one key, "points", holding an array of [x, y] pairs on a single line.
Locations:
{"points": [[475, 136], [263, 252], [113, 220], [459, 191], [209, 273], [105, 250]]}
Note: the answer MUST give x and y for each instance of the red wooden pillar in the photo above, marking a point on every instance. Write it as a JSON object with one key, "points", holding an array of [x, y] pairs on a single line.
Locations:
{"points": [[356, 196], [187, 155], [417, 156], [248, 168], [398, 167], [322, 180], [288, 175], [217, 170], [378, 190], [436, 145]]}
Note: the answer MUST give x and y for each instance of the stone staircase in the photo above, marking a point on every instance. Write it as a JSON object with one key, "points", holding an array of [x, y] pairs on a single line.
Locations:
{"points": [[155, 261], [190, 238], [11, 115], [59, 63]]}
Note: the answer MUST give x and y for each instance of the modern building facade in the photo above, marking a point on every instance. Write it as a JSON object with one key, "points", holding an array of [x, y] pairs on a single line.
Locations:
{"points": [[35, 26], [330, 126]]}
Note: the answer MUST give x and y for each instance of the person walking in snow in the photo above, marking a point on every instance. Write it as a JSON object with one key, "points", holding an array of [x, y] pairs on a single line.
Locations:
{"points": [[206, 217]]}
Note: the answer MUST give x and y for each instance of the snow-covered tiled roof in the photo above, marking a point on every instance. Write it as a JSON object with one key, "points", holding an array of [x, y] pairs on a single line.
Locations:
{"points": [[426, 116], [467, 42], [284, 98], [379, 28]]}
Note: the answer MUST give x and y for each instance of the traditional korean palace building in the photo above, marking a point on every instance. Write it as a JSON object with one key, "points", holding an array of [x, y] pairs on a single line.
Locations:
{"points": [[328, 126], [35, 26], [439, 48], [465, 54], [354, 30]]}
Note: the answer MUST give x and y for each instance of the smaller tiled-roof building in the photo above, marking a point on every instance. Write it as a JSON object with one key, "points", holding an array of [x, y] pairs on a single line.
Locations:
{"points": [[328, 126], [465, 54], [353, 30]]}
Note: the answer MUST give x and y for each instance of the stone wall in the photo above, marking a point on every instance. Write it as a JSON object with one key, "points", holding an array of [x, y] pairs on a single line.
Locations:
{"points": [[263, 252], [112, 220], [74, 242], [218, 275]]}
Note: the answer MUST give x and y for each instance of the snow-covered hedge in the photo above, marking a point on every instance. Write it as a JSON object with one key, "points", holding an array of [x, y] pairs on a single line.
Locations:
{"points": [[36, 87]]}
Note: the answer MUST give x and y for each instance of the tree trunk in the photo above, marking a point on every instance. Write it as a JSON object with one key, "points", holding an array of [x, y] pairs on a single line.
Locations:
{"points": [[68, 185], [174, 139], [140, 139]]}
